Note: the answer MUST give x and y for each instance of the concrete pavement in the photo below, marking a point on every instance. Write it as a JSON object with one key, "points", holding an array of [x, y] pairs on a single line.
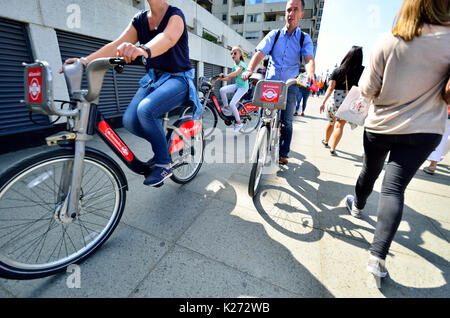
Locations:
{"points": [[295, 239]]}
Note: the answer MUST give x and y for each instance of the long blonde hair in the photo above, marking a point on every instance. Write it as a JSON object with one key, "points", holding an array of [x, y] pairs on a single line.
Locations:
{"points": [[414, 13]]}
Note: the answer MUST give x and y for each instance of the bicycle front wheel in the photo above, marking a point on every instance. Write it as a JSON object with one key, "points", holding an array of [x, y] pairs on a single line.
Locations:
{"points": [[250, 119], [258, 163], [34, 241], [209, 119]]}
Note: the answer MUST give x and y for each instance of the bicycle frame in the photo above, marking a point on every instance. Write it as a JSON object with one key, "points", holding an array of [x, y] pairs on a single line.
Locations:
{"points": [[228, 119]]}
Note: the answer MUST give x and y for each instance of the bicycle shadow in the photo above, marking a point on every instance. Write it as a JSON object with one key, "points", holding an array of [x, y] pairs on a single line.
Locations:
{"points": [[320, 207]]}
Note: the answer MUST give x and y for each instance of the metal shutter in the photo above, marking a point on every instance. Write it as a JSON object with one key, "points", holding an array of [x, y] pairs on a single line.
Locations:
{"points": [[118, 89], [211, 70], [15, 49]]}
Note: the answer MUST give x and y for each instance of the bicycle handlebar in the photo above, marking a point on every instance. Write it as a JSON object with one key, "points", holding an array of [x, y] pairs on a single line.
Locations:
{"points": [[96, 70]]}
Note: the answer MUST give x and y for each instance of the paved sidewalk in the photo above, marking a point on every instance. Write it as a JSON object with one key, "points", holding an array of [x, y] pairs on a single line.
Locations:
{"points": [[295, 239]]}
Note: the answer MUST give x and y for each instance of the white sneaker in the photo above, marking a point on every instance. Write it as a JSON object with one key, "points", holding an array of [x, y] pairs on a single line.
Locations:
{"points": [[237, 127]]}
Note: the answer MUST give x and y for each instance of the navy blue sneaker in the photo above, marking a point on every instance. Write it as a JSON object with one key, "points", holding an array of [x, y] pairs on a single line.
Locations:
{"points": [[158, 175]]}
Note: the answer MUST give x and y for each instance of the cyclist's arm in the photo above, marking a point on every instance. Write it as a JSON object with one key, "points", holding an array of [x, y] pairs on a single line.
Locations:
{"points": [[233, 74], [110, 49], [129, 35], [164, 41], [310, 67], [159, 45], [254, 62]]}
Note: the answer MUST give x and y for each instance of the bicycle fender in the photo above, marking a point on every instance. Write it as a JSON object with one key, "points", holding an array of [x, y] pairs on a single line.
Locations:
{"points": [[106, 158], [187, 127], [262, 132]]}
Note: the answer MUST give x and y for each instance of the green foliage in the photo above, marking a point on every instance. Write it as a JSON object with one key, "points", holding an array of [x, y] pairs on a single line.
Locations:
{"points": [[209, 37]]}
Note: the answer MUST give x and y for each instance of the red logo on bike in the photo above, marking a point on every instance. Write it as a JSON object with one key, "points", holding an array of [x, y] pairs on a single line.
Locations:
{"points": [[270, 92], [188, 129], [115, 140], [35, 85]]}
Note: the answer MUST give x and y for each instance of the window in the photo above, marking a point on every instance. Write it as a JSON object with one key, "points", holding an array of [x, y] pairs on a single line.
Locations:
{"points": [[320, 13], [224, 17], [225, 1], [257, 17], [252, 35], [321, 5], [318, 27]]}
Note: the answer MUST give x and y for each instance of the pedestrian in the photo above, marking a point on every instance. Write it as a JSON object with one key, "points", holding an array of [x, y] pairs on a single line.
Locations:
{"points": [[405, 80], [303, 95], [239, 89], [284, 63], [163, 36], [341, 81], [439, 153]]}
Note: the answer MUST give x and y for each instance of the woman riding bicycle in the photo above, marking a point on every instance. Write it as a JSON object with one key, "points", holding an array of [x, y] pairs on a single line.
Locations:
{"points": [[163, 36], [240, 88]]}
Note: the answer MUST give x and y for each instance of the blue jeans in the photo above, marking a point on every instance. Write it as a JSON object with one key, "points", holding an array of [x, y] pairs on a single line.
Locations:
{"points": [[302, 94], [287, 117], [141, 116]]}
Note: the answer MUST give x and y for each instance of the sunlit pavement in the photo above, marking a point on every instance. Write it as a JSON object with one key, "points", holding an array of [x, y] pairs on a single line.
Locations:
{"points": [[295, 239]]}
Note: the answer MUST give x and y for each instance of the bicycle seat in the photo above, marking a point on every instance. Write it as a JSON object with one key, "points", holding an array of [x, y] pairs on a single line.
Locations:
{"points": [[73, 74]]}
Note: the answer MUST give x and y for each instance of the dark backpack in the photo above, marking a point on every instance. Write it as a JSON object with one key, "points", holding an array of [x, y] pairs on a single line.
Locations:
{"points": [[302, 39]]}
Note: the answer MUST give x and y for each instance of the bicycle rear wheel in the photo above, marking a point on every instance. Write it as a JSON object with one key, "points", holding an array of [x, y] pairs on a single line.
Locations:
{"points": [[209, 118], [187, 156], [258, 163], [34, 242]]}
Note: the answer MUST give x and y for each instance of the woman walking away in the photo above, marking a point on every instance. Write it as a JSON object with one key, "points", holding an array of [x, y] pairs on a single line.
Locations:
{"points": [[341, 81], [240, 88], [405, 80]]}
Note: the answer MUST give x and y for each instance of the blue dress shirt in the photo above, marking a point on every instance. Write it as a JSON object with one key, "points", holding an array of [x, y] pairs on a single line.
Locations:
{"points": [[284, 61]]}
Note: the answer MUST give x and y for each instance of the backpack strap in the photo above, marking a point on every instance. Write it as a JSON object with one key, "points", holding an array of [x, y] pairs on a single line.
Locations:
{"points": [[302, 39], [275, 41]]}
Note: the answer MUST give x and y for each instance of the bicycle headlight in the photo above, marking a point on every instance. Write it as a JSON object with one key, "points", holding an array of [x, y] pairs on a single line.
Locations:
{"points": [[268, 112]]}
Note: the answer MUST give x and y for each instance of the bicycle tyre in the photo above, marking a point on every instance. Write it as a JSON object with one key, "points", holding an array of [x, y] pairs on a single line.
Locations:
{"points": [[186, 162], [209, 118], [14, 268], [259, 162], [250, 125]]}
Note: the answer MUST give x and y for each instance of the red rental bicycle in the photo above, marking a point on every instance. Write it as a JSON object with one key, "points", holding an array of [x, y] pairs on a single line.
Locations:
{"points": [[250, 115], [58, 207]]}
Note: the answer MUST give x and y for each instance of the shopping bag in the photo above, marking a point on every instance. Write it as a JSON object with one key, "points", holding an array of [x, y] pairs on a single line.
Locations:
{"points": [[354, 108]]}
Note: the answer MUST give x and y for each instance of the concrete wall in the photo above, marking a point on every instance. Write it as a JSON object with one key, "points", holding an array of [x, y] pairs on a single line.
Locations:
{"points": [[106, 19]]}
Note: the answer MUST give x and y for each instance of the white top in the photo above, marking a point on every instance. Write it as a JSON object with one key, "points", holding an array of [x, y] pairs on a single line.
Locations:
{"points": [[406, 81]]}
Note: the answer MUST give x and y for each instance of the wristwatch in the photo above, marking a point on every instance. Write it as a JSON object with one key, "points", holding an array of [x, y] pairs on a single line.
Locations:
{"points": [[147, 49]]}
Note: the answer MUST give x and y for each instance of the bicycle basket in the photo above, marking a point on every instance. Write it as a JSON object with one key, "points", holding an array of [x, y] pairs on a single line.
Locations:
{"points": [[270, 94], [38, 89]]}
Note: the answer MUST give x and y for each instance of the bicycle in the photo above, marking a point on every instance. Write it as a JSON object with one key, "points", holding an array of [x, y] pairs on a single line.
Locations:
{"points": [[250, 115], [271, 96], [58, 207]]}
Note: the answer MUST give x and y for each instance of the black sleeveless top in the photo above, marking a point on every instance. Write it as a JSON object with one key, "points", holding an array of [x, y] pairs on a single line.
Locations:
{"points": [[176, 59]]}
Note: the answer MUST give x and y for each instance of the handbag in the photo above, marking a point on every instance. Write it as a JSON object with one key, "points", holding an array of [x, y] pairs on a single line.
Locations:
{"points": [[354, 108]]}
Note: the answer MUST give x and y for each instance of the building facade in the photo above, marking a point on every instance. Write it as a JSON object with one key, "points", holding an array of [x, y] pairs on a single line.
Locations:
{"points": [[54, 30], [253, 19]]}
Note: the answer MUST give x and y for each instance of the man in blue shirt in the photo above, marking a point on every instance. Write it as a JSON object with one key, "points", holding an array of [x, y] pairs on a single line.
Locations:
{"points": [[284, 63]]}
